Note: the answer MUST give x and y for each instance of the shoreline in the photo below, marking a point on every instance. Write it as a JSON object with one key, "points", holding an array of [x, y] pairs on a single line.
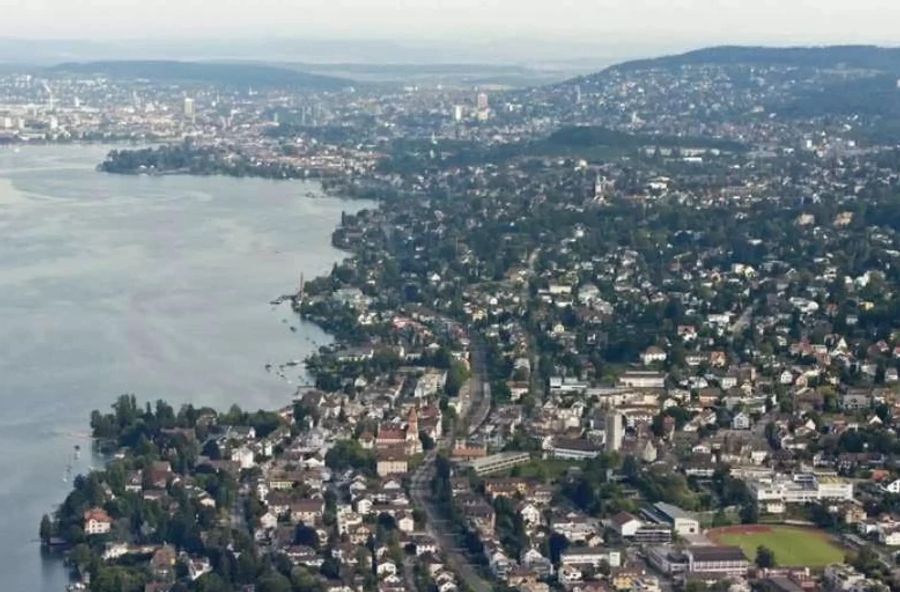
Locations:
{"points": [[54, 551]]}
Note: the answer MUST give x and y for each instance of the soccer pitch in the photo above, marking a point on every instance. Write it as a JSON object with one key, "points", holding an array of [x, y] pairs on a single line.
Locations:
{"points": [[792, 546]]}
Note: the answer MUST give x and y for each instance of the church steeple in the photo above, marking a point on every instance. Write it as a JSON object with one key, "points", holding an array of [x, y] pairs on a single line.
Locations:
{"points": [[412, 424]]}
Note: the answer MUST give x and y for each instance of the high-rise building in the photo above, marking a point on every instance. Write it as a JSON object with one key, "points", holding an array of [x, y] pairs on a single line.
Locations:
{"points": [[189, 110], [458, 113], [481, 102], [615, 431]]}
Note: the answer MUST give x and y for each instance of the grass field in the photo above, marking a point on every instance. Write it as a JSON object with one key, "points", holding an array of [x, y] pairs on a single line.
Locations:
{"points": [[793, 547], [546, 469]]}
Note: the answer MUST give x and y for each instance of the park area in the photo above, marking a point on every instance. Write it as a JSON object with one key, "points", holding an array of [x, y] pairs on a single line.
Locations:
{"points": [[792, 546]]}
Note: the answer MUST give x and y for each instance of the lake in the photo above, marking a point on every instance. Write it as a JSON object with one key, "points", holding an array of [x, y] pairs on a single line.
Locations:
{"points": [[158, 286]]}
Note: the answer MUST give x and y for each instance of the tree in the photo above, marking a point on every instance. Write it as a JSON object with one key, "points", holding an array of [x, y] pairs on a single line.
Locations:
{"points": [[304, 581], [304, 535], [750, 514], [556, 543], [347, 454], [273, 582], [765, 557], [331, 568], [456, 377], [46, 530], [720, 519]]}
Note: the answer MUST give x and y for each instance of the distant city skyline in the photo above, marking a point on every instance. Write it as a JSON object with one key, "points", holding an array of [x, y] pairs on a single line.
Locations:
{"points": [[528, 28]]}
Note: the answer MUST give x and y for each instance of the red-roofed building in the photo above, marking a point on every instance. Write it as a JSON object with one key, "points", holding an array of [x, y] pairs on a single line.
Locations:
{"points": [[97, 521]]}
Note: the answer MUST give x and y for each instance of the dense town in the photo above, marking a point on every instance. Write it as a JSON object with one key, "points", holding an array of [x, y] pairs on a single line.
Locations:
{"points": [[634, 331]]}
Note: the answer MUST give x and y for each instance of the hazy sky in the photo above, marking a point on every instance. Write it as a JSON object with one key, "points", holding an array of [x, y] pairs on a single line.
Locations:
{"points": [[688, 22]]}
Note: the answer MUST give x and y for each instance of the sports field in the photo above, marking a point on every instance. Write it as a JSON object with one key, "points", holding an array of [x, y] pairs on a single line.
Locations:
{"points": [[793, 546]]}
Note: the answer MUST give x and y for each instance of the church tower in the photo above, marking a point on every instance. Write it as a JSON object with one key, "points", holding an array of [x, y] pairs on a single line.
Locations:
{"points": [[413, 443]]}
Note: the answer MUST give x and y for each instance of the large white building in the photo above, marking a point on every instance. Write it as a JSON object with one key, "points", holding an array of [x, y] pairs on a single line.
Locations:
{"points": [[773, 493], [573, 449], [593, 556], [495, 463], [615, 431], [681, 522], [643, 379]]}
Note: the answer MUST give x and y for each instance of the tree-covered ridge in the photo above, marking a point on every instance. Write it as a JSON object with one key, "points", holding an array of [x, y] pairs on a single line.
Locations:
{"points": [[866, 57]]}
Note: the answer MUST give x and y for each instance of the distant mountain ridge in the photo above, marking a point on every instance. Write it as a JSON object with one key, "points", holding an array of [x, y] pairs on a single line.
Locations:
{"points": [[868, 57], [256, 75]]}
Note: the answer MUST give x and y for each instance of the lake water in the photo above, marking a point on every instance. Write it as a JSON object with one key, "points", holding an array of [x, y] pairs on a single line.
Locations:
{"points": [[154, 285]]}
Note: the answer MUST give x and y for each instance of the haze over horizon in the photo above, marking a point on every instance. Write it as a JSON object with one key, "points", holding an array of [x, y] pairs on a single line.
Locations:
{"points": [[440, 30]]}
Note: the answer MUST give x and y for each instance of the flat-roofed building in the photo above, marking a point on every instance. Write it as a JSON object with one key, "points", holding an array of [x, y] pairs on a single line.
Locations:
{"points": [[496, 463], [681, 522], [717, 559], [643, 379]]}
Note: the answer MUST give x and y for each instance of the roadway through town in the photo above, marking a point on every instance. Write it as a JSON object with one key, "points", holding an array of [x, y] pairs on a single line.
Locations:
{"points": [[476, 406]]}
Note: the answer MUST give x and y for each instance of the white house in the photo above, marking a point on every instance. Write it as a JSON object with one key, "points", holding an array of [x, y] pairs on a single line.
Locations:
{"points": [[741, 421], [653, 355], [893, 486], [530, 514], [244, 457]]}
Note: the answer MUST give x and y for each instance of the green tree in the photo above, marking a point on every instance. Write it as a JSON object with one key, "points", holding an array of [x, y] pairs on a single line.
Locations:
{"points": [[273, 581], [765, 557], [46, 529]]}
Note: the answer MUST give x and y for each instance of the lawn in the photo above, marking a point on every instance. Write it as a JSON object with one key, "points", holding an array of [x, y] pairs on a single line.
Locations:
{"points": [[793, 547], [545, 469]]}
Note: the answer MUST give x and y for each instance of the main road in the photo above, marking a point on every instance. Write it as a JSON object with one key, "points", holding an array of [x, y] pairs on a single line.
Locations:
{"points": [[476, 406]]}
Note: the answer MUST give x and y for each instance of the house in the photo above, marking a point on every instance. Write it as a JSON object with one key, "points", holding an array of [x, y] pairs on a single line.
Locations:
{"points": [[162, 563], [741, 421], [97, 521], [533, 560], [405, 523], [855, 399], [432, 381], [307, 511], [569, 575], [198, 567], [893, 486], [115, 550], [530, 513], [244, 456], [653, 355], [391, 461], [268, 521], [574, 526]]}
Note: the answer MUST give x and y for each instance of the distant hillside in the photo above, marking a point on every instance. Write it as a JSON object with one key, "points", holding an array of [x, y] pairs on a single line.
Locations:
{"points": [[846, 81], [259, 76], [868, 57]]}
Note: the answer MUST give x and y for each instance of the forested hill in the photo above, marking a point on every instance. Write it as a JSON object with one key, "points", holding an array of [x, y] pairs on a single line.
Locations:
{"points": [[255, 75], [866, 57]]}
